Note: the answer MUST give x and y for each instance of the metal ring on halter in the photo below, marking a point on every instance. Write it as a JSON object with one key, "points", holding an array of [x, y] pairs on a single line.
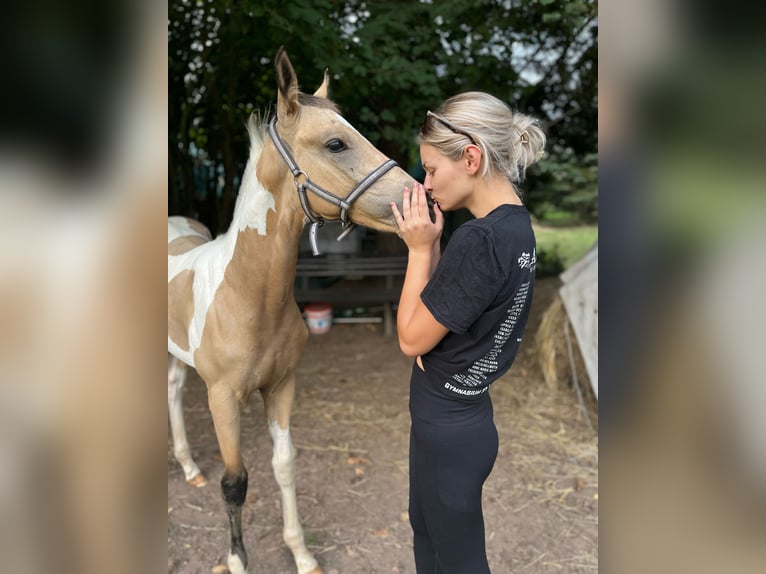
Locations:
{"points": [[297, 174], [305, 205]]}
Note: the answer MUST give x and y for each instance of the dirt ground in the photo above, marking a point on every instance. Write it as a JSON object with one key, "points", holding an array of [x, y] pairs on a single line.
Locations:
{"points": [[350, 426]]}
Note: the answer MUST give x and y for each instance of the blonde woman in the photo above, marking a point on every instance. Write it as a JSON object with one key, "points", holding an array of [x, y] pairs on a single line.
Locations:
{"points": [[462, 314]]}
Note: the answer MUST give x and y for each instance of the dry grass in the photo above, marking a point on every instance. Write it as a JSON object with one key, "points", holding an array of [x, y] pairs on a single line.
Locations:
{"points": [[351, 431], [553, 355]]}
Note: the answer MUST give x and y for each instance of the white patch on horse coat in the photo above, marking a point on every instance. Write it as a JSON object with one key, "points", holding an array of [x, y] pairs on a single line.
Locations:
{"points": [[181, 450], [255, 202], [209, 261], [235, 565], [283, 463], [344, 121], [179, 227], [283, 447]]}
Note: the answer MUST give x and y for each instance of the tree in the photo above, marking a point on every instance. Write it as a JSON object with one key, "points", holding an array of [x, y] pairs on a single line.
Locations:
{"points": [[389, 62]]}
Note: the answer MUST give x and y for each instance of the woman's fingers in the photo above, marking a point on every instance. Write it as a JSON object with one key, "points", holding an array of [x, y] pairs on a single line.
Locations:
{"points": [[422, 203], [414, 207], [406, 200], [397, 216], [417, 202]]}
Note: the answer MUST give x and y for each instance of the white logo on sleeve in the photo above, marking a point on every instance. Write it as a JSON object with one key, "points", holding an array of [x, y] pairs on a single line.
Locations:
{"points": [[527, 261]]}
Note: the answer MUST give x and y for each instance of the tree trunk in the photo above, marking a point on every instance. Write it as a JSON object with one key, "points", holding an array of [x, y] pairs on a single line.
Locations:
{"points": [[186, 163]]}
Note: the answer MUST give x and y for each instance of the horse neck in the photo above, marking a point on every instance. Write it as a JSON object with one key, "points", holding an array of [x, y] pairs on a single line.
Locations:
{"points": [[266, 228]]}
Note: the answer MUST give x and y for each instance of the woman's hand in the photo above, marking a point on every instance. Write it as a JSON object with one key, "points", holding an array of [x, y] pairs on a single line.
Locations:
{"points": [[416, 327], [415, 225]]}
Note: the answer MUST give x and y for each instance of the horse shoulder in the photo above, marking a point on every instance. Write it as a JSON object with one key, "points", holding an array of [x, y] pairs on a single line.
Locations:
{"points": [[257, 346]]}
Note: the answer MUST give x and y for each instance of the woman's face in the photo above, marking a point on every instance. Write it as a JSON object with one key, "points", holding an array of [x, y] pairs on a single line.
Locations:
{"points": [[447, 180]]}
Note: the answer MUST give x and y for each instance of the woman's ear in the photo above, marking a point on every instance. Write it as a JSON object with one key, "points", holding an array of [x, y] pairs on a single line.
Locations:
{"points": [[472, 158]]}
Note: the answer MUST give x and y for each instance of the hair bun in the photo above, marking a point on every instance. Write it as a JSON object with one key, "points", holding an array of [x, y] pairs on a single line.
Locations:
{"points": [[530, 142]]}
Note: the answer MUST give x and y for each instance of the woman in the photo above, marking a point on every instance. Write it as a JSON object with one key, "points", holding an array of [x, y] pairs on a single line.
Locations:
{"points": [[462, 314]]}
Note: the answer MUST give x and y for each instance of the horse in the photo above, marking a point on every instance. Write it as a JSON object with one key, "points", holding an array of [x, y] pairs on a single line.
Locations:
{"points": [[231, 308]]}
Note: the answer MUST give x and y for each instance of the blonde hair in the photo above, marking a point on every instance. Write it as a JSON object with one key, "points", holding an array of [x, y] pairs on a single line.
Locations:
{"points": [[510, 142]]}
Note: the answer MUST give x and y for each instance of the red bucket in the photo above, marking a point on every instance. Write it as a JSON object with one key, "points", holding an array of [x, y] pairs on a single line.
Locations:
{"points": [[318, 317]]}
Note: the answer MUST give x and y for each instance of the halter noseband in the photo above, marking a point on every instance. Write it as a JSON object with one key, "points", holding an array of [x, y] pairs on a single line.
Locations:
{"points": [[302, 183]]}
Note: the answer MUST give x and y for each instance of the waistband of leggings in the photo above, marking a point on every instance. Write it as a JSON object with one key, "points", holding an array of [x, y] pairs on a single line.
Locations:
{"points": [[431, 402]]}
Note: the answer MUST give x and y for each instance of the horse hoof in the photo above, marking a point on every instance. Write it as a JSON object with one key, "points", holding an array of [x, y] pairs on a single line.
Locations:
{"points": [[317, 570], [234, 564], [197, 481]]}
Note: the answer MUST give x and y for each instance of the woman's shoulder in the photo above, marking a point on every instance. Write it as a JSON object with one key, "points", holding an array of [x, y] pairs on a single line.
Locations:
{"points": [[504, 220], [509, 210], [505, 224]]}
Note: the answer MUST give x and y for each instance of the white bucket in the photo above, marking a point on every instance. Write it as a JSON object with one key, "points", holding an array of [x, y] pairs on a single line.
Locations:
{"points": [[318, 317]]}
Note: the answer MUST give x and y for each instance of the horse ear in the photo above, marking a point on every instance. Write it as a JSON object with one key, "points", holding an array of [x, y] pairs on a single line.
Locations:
{"points": [[323, 90], [287, 84]]}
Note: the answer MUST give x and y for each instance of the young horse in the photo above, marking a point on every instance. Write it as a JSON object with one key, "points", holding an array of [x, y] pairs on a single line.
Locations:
{"points": [[231, 310]]}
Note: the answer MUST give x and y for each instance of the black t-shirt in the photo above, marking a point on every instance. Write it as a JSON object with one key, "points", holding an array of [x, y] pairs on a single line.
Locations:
{"points": [[481, 291]]}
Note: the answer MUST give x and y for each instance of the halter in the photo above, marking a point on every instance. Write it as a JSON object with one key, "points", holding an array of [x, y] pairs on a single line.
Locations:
{"points": [[302, 183]]}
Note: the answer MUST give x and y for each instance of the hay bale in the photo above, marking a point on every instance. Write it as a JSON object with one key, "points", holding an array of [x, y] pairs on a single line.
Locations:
{"points": [[550, 343], [552, 355]]}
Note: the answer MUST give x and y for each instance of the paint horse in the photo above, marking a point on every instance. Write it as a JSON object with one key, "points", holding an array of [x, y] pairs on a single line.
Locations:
{"points": [[231, 309]]}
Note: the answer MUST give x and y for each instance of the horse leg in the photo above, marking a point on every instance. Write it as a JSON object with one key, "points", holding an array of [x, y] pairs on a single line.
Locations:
{"points": [[226, 412], [176, 381], [278, 406]]}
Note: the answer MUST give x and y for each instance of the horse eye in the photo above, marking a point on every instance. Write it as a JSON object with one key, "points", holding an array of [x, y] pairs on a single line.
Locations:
{"points": [[335, 145]]}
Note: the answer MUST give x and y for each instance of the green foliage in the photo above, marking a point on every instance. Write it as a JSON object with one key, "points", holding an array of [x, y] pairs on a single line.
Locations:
{"points": [[549, 263], [565, 188], [558, 248], [389, 62]]}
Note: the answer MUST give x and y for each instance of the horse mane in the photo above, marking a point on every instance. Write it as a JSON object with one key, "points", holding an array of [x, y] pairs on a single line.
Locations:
{"points": [[317, 102], [257, 125]]}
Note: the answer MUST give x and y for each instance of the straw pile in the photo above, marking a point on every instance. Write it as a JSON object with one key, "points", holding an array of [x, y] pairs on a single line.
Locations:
{"points": [[558, 353]]}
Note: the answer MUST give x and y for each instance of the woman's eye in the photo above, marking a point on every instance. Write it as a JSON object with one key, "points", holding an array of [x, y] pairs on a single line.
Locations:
{"points": [[335, 145]]}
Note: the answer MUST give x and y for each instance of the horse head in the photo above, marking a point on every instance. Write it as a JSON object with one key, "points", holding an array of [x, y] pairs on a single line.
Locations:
{"points": [[337, 174]]}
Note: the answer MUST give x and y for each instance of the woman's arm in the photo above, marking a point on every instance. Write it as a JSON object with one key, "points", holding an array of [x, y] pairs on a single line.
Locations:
{"points": [[436, 254], [418, 330]]}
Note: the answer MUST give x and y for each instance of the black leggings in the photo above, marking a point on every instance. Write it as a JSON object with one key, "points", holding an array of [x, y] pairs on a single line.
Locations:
{"points": [[449, 462]]}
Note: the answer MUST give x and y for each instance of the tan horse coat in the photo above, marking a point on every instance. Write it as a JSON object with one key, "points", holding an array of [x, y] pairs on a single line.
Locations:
{"points": [[231, 309]]}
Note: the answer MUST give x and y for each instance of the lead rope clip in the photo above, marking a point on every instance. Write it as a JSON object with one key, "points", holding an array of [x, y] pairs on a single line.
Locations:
{"points": [[313, 237]]}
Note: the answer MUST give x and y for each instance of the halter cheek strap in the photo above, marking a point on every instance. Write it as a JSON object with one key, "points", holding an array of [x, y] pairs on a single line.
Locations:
{"points": [[303, 183]]}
